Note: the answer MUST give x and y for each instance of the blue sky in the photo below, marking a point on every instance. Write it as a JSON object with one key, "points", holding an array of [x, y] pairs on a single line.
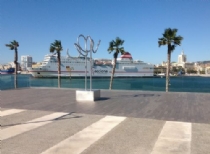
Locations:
{"points": [[35, 24]]}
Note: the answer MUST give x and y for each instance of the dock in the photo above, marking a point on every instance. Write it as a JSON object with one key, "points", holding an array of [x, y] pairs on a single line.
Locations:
{"points": [[51, 121]]}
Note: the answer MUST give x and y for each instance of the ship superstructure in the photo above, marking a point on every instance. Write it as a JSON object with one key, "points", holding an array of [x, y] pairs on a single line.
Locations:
{"points": [[75, 67]]}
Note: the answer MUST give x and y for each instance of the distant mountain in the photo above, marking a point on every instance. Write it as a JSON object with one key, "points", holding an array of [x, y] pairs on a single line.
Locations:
{"points": [[203, 62]]}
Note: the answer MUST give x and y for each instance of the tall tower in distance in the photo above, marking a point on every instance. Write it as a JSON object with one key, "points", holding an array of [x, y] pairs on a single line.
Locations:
{"points": [[182, 58], [26, 61]]}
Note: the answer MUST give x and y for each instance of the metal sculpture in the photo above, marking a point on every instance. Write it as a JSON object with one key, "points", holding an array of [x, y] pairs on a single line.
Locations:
{"points": [[84, 52]]}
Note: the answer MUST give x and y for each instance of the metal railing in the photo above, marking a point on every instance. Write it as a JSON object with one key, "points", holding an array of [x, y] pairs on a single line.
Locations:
{"points": [[177, 84]]}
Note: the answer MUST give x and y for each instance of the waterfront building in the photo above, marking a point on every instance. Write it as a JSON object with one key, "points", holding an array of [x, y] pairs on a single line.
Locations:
{"points": [[12, 64], [182, 58], [189, 66], [174, 64], [35, 65], [198, 67], [182, 61], [26, 61], [207, 70]]}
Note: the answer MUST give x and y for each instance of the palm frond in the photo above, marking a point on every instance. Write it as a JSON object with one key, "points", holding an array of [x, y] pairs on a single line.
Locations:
{"points": [[10, 46], [175, 30], [162, 41], [173, 47], [52, 49], [119, 41], [110, 49], [169, 33], [111, 44], [169, 37], [56, 46], [165, 35], [116, 45], [15, 43], [121, 50], [177, 40]]}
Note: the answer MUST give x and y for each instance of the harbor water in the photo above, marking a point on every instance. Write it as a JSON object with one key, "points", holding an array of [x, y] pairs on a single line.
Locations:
{"points": [[177, 83]]}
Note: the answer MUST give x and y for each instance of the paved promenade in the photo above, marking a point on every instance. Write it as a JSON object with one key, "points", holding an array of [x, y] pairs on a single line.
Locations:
{"points": [[50, 121]]}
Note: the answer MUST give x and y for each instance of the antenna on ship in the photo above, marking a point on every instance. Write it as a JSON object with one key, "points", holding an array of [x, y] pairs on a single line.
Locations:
{"points": [[67, 51]]}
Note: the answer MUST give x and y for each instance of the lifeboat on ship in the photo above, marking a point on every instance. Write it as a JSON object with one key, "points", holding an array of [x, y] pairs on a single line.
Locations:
{"points": [[107, 63], [98, 62]]}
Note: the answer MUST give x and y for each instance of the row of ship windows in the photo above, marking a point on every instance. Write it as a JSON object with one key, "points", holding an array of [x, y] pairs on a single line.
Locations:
{"points": [[65, 62], [84, 62], [68, 67]]}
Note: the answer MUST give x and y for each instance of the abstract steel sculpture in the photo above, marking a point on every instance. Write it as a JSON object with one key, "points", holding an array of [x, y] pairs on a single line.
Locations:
{"points": [[84, 52]]}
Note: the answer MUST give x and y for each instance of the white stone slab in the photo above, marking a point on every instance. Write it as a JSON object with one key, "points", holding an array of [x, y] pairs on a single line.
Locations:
{"points": [[80, 141], [10, 112], [88, 95], [24, 127], [175, 138]]}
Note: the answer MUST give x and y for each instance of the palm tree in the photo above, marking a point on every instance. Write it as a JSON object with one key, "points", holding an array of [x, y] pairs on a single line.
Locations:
{"points": [[115, 46], [56, 46], [171, 40], [14, 46]]}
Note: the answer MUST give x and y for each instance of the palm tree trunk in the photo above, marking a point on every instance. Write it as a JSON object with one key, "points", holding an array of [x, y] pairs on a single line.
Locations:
{"points": [[16, 68], [168, 68], [15, 81], [113, 71], [59, 70]]}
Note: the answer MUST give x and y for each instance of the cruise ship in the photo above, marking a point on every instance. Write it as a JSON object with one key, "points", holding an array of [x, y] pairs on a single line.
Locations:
{"points": [[75, 67]]}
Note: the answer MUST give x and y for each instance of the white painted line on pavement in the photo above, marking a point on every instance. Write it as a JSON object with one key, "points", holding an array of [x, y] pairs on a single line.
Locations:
{"points": [[83, 139], [175, 138], [18, 129], [10, 112]]}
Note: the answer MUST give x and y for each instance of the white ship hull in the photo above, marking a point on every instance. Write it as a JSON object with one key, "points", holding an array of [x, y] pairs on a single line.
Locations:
{"points": [[75, 67]]}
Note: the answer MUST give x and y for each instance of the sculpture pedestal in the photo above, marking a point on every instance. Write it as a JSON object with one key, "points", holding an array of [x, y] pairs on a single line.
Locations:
{"points": [[82, 95]]}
